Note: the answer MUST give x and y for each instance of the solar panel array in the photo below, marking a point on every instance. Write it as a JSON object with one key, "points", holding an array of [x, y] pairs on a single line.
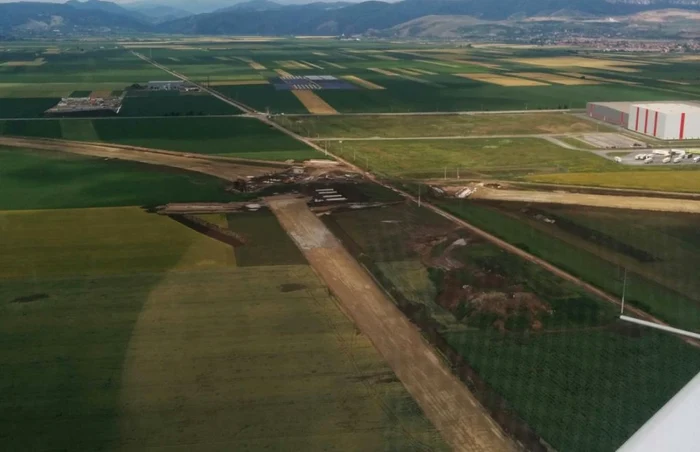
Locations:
{"points": [[310, 82]]}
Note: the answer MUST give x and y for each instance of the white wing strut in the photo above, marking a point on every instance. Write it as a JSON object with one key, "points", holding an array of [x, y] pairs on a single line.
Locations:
{"points": [[674, 427]]}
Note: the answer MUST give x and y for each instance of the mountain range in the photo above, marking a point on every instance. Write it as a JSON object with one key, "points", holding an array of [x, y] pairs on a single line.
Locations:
{"points": [[268, 17]]}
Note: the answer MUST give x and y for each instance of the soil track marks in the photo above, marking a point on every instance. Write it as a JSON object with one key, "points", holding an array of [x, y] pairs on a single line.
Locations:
{"points": [[445, 400], [580, 199], [223, 168]]}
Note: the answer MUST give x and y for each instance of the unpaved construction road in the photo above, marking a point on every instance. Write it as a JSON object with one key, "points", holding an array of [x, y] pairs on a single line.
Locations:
{"points": [[446, 401], [581, 199], [227, 169]]}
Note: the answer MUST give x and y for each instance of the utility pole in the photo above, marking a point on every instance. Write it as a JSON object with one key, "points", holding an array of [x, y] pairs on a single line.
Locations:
{"points": [[624, 291], [445, 173], [419, 187]]}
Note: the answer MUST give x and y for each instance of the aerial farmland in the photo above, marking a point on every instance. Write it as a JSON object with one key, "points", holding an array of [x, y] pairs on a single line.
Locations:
{"points": [[323, 244]]}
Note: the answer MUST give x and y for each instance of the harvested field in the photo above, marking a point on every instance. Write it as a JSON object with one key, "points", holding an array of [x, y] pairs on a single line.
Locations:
{"points": [[362, 82], [35, 62], [383, 71], [445, 399], [678, 181], [313, 103], [438, 63], [558, 79], [593, 63], [578, 199], [501, 80], [237, 82], [335, 65], [320, 53], [52, 51], [283, 73], [601, 79]]}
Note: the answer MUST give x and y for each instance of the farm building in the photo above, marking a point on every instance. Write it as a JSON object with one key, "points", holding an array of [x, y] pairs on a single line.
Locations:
{"points": [[166, 85], [668, 120], [616, 113]]}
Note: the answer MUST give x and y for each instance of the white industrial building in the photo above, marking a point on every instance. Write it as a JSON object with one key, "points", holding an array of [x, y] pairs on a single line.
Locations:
{"points": [[667, 121]]}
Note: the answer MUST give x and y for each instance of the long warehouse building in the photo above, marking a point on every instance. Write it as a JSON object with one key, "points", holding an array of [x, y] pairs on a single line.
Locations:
{"points": [[667, 121]]}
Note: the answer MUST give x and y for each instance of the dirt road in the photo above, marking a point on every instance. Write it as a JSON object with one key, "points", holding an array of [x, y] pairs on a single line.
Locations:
{"points": [[446, 401], [581, 199], [225, 169]]}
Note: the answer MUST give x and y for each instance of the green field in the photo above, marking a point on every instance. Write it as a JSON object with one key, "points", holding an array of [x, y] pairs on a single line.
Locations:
{"points": [[234, 137], [46, 180], [579, 371], [437, 126], [662, 289], [494, 157], [124, 330], [199, 104]]}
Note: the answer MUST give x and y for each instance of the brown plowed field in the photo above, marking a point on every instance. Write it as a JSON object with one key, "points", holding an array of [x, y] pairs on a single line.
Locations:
{"points": [[445, 400], [227, 170], [580, 199]]}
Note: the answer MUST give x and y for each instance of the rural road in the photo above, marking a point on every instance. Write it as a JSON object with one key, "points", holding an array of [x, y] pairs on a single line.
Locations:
{"points": [[591, 200], [446, 401], [230, 170]]}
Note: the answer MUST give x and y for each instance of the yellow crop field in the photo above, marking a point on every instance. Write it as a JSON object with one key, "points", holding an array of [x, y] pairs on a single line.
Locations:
{"points": [[362, 82], [335, 65], [381, 56], [602, 79], [593, 63], [101, 93], [311, 64], [383, 71], [291, 64], [238, 82], [486, 65], [674, 82], [439, 63], [35, 62], [558, 79], [502, 80], [406, 71], [423, 71], [313, 103], [283, 73], [680, 181]]}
